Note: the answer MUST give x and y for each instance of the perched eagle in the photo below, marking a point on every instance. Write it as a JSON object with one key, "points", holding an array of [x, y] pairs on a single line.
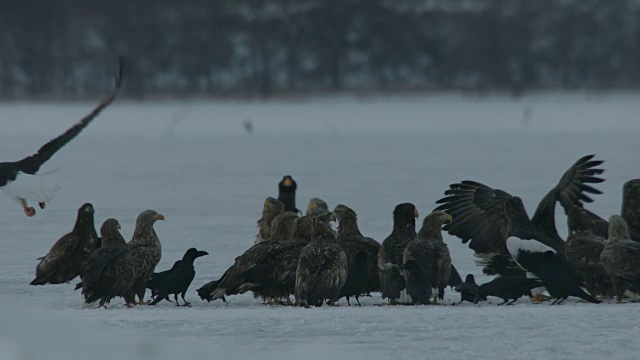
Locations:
{"points": [[631, 207], [146, 250], [20, 180], [110, 271], [179, 278], [64, 260], [316, 206], [583, 249], [270, 210], [322, 268], [282, 226], [362, 255], [621, 257], [432, 258], [287, 193], [392, 251], [481, 215]]}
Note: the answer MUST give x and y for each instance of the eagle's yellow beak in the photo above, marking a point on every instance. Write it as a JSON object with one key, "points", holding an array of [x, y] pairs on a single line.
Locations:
{"points": [[448, 218], [416, 213], [288, 182], [159, 217]]}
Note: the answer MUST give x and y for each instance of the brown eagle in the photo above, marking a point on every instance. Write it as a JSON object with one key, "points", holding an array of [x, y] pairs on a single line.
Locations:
{"points": [[392, 250], [270, 210], [322, 268], [64, 260], [146, 251], [621, 257], [111, 270], [431, 255], [631, 207], [282, 226], [362, 255], [583, 249]]}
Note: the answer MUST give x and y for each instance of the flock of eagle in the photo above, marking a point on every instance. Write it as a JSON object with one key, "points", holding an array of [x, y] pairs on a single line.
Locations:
{"points": [[303, 257]]}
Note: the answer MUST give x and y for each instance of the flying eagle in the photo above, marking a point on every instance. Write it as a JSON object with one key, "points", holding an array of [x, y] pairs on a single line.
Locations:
{"points": [[362, 255], [287, 193], [432, 258], [392, 250], [322, 268], [583, 249], [146, 250], [20, 180], [270, 209], [110, 271], [621, 257], [64, 260], [481, 216]]}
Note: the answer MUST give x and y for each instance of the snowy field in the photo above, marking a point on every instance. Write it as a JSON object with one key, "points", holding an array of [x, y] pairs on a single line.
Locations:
{"points": [[193, 162]]}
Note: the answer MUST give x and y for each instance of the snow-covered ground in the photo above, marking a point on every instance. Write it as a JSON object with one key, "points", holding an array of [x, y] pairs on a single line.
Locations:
{"points": [[193, 162]]}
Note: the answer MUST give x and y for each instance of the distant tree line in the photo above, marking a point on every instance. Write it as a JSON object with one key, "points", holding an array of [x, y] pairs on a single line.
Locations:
{"points": [[68, 48]]}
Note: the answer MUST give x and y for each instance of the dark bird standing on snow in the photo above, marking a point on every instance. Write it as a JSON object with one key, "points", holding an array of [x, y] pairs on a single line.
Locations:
{"points": [[481, 215], [322, 268], [507, 288], [287, 194], [583, 249], [529, 248], [362, 255], [270, 210], [392, 250], [146, 250], [267, 268], [159, 277], [432, 256], [631, 207], [468, 289], [110, 270], [20, 181], [559, 282], [180, 278], [64, 260], [621, 257]]}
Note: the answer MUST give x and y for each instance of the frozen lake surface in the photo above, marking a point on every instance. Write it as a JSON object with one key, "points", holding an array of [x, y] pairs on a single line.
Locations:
{"points": [[193, 162]]}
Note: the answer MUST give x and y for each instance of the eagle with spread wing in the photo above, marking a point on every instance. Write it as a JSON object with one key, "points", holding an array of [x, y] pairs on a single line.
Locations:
{"points": [[20, 180]]}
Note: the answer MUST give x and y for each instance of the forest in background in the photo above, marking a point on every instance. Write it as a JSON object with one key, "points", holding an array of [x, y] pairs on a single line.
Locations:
{"points": [[68, 49]]}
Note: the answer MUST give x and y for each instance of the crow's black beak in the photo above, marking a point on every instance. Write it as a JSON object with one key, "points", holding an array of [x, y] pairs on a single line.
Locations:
{"points": [[201, 253]]}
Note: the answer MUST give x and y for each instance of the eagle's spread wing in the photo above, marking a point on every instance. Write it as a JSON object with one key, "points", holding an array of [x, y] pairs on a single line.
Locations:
{"points": [[478, 216], [571, 190], [31, 164]]}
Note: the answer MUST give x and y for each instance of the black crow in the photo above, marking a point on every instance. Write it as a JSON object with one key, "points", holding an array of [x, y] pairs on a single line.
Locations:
{"points": [[180, 278], [507, 288]]}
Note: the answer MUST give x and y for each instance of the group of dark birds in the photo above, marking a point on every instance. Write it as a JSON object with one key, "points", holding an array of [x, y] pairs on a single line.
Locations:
{"points": [[304, 257]]}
